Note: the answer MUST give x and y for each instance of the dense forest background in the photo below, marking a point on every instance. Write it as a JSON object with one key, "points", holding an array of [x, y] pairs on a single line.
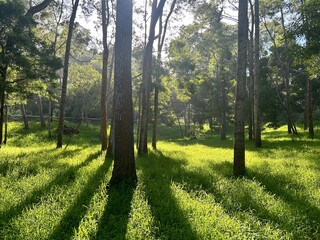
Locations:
{"points": [[195, 74]]}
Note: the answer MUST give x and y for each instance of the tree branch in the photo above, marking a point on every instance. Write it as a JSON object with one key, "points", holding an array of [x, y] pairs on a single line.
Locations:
{"points": [[38, 8]]}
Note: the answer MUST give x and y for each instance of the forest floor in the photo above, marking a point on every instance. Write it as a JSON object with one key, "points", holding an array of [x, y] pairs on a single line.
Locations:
{"points": [[185, 189]]}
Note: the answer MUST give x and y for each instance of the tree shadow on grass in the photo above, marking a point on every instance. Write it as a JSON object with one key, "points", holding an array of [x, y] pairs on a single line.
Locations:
{"points": [[72, 218], [62, 178], [114, 221], [157, 174], [159, 171], [290, 191], [29, 164]]}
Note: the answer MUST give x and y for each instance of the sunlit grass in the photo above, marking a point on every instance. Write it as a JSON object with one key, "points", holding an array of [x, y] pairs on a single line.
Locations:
{"points": [[185, 191]]}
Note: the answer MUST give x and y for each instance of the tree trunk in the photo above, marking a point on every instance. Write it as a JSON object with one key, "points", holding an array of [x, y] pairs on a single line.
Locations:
{"points": [[155, 116], [3, 77], [2, 98], [223, 133], [124, 163], [6, 125], [257, 127], [283, 62], [239, 133], [285, 68], [49, 116], [40, 108], [146, 78], [251, 78], [310, 110], [306, 105], [161, 37], [138, 120], [103, 127], [65, 75], [110, 149], [24, 116]]}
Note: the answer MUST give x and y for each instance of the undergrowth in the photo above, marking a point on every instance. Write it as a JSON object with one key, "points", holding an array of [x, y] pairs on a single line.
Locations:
{"points": [[185, 189]]}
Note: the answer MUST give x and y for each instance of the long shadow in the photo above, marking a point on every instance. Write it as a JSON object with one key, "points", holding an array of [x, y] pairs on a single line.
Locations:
{"points": [[243, 199], [62, 178], [72, 218], [32, 166], [115, 218], [298, 202], [157, 172]]}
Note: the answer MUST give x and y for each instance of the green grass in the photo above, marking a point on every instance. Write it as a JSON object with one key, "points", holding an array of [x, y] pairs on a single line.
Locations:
{"points": [[185, 190]]}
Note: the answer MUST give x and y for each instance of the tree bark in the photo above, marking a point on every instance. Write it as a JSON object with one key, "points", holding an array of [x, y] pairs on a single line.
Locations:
{"points": [[146, 78], [5, 125], [223, 133], [49, 116], [110, 149], [251, 78], [306, 105], [3, 78], [38, 8], [124, 163], [239, 133], [105, 23], [156, 91], [24, 116], [41, 116], [310, 109], [256, 109], [65, 75]]}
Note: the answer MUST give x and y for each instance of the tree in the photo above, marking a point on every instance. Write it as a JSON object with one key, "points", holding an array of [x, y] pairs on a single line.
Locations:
{"points": [[146, 77], [256, 110], [161, 38], [281, 44], [21, 52], [83, 101], [105, 56], [307, 28], [124, 163], [65, 75], [239, 136]]}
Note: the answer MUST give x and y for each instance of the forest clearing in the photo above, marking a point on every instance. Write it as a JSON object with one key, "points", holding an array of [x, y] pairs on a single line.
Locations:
{"points": [[159, 119], [186, 188]]}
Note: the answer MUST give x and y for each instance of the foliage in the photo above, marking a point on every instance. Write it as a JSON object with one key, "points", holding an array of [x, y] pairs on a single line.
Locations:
{"points": [[51, 194], [21, 50], [83, 101]]}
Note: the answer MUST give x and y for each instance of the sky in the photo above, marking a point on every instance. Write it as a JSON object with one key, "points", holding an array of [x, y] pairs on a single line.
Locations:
{"points": [[183, 18]]}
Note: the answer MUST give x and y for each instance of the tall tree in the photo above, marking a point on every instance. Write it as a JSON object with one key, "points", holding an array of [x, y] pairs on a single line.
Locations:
{"points": [[277, 30], [250, 81], [21, 51], [157, 11], [161, 39], [124, 163], [256, 110], [239, 133], [40, 108], [65, 74], [105, 56], [308, 27]]}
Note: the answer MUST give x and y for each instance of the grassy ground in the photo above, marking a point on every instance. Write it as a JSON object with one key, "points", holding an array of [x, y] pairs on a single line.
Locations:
{"points": [[186, 189]]}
